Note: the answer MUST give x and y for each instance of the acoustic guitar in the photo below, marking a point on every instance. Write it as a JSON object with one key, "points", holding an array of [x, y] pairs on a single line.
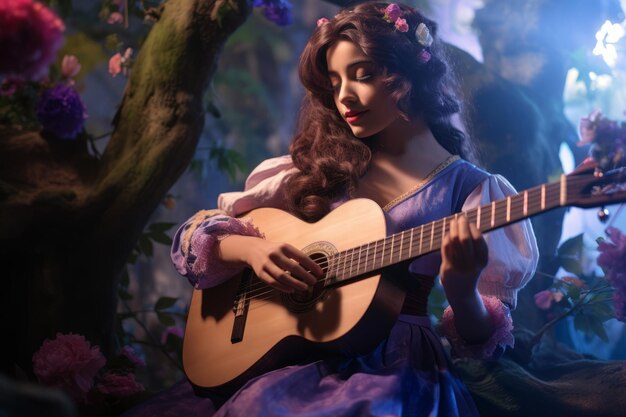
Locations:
{"points": [[244, 328]]}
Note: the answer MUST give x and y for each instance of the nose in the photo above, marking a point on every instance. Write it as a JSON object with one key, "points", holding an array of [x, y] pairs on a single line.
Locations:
{"points": [[346, 93]]}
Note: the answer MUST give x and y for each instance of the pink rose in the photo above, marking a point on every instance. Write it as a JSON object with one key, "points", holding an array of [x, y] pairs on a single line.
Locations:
{"points": [[68, 362], [392, 12], [70, 67], [119, 385], [321, 21], [401, 25], [30, 36]]}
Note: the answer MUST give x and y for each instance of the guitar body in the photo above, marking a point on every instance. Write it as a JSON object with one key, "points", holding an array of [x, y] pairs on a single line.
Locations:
{"points": [[282, 329]]}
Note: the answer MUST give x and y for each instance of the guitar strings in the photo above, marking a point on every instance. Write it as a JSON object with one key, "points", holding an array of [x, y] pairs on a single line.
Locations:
{"points": [[259, 289]]}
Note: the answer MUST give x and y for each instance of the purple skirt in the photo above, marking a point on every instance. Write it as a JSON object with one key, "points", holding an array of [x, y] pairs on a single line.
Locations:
{"points": [[408, 374]]}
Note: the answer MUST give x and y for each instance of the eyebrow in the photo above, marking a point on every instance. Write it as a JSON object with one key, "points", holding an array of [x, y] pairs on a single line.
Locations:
{"points": [[353, 64]]}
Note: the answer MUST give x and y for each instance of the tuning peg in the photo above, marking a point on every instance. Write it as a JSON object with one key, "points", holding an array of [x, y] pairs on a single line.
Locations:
{"points": [[603, 214]]}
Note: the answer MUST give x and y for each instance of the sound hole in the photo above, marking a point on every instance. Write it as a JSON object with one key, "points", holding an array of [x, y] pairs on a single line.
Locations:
{"points": [[301, 301]]}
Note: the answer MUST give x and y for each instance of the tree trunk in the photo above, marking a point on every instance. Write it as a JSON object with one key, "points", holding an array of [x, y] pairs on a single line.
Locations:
{"points": [[69, 221]]}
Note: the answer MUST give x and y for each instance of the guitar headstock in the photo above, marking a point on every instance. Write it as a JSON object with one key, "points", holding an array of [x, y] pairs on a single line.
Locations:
{"points": [[588, 186]]}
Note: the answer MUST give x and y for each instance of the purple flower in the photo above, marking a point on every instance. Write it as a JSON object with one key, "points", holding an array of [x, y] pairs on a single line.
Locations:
{"points": [[30, 36], [61, 111], [278, 11], [612, 259]]}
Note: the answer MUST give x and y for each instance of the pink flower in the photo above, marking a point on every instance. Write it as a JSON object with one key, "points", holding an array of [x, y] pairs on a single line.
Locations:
{"points": [[587, 128], [115, 18], [321, 21], [30, 36], [120, 63], [70, 67], [131, 355], [424, 56], [544, 299], [119, 385], [68, 362], [392, 12], [401, 25]]}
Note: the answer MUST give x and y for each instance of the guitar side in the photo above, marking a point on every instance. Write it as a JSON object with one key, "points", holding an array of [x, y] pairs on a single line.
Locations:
{"points": [[350, 318]]}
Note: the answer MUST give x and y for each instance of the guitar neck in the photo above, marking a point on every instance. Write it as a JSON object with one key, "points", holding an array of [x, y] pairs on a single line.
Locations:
{"points": [[412, 243]]}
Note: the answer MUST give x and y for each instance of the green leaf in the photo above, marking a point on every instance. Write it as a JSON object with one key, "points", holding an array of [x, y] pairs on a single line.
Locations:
{"points": [[125, 279], [166, 319], [124, 295], [570, 254], [161, 226], [161, 237], [599, 330], [145, 245], [164, 302]]}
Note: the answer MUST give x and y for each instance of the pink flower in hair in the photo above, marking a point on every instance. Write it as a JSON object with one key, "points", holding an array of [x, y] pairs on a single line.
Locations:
{"points": [[401, 25], [424, 56], [30, 36], [392, 13], [115, 18], [322, 21], [68, 362], [70, 67]]}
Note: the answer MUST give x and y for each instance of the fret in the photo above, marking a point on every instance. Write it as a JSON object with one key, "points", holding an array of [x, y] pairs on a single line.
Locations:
{"points": [[443, 228], [508, 209], [367, 252], [358, 262], [411, 243], [382, 255], [563, 186], [493, 213], [543, 197], [391, 251], [478, 211], [432, 234], [345, 258], [525, 203], [421, 238], [401, 242], [375, 251]]}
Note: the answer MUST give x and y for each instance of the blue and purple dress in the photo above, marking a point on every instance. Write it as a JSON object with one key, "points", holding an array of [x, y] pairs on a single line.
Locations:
{"points": [[408, 373]]}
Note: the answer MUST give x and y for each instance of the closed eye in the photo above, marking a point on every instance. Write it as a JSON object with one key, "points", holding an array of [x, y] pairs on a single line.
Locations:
{"points": [[364, 77]]}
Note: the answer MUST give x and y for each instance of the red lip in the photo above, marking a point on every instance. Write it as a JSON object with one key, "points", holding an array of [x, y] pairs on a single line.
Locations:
{"points": [[352, 116]]}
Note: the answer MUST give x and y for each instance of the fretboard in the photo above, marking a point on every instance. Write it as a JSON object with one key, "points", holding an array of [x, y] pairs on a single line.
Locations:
{"points": [[412, 243]]}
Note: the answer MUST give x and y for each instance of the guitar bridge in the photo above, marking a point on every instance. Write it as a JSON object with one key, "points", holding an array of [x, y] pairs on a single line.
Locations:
{"points": [[240, 308]]}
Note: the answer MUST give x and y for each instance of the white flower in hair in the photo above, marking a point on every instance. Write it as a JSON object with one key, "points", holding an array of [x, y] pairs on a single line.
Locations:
{"points": [[422, 34]]}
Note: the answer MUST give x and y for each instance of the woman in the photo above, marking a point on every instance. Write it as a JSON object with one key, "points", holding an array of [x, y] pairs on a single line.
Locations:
{"points": [[376, 123]]}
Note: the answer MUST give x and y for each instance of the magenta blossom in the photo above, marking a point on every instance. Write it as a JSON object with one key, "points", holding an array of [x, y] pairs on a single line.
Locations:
{"points": [[30, 36], [68, 362], [392, 13], [545, 298], [119, 385]]}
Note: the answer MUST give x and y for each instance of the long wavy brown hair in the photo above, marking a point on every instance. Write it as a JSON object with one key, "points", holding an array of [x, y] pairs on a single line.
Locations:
{"points": [[329, 157]]}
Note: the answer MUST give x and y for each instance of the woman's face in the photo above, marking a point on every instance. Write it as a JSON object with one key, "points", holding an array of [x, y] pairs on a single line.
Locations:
{"points": [[359, 93]]}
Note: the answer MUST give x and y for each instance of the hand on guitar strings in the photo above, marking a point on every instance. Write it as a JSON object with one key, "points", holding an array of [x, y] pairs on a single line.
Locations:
{"points": [[464, 254], [282, 266]]}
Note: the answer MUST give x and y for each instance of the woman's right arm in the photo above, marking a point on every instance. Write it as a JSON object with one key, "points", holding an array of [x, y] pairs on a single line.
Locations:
{"points": [[213, 245]]}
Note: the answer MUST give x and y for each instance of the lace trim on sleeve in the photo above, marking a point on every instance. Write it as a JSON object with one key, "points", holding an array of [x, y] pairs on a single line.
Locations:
{"points": [[495, 346]]}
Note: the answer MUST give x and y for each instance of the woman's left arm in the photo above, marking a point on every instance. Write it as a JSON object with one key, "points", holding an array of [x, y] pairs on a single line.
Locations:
{"points": [[482, 275]]}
